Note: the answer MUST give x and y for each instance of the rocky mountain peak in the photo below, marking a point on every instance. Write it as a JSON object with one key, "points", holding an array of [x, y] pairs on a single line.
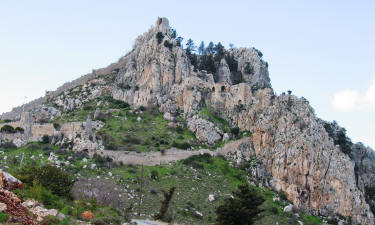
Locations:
{"points": [[216, 93]]}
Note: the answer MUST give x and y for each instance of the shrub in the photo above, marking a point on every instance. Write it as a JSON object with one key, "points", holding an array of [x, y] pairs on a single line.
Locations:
{"points": [[235, 131], [168, 45], [66, 210], [183, 145], [343, 142], [45, 139], [179, 129], [274, 210], [19, 130], [49, 176], [57, 126], [154, 174], [102, 161], [197, 161], [242, 209], [260, 54], [3, 217], [283, 196], [160, 37], [132, 139], [7, 129]]}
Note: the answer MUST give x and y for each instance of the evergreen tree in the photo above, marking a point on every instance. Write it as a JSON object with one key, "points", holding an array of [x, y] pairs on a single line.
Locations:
{"points": [[240, 210], [201, 49], [190, 46], [207, 63], [179, 41], [220, 51], [210, 48]]}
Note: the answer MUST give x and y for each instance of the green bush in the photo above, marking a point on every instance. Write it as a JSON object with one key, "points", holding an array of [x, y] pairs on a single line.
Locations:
{"points": [[154, 174], [5, 121], [55, 179], [46, 139], [57, 126], [274, 210], [7, 129], [67, 210], [3, 217], [198, 161], [183, 145], [19, 130], [115, 103], [283, 196], [235, 131], [179, 129], [242, 209]]}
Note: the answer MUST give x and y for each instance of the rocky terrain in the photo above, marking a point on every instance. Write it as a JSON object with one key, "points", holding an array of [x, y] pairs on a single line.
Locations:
{"points": [[160, 96]]}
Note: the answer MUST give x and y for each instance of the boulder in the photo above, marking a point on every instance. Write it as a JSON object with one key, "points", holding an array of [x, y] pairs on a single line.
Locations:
{"points": [[211, 197], [204, 130], [288, 208]]}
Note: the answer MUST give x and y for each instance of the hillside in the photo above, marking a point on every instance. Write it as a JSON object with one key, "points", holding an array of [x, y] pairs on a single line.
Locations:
{"points": [[163, 106]]}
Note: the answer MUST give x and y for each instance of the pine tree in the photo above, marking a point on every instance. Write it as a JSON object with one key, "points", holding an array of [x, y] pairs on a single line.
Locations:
{"points": [[220, 51], [240, 210], [201, 49], [190, 46], [210, 48]]}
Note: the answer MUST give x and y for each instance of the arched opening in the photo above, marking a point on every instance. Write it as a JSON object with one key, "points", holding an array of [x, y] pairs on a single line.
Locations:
{"points": [[239, 102], [213, 89], [222, 88]]}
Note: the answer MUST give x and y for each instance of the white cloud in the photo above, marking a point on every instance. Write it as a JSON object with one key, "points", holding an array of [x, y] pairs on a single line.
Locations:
{"points": [[352, 101]]}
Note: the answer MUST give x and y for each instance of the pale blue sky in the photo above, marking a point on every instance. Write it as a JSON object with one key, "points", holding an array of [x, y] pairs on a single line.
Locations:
{"points": [[317, 49]]}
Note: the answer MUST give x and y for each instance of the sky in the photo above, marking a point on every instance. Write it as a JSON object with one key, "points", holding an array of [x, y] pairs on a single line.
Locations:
{"points": [[321, 50]]}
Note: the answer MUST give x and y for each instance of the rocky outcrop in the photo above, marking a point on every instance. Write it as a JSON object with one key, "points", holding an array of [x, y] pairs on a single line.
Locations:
{"points": [[13, 207], [205, 131]]}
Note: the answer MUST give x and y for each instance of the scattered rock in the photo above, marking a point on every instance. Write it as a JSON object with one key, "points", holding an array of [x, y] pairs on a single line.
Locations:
{"points": [[3, 207], [211, 197], [225, 137], [288, 208]]}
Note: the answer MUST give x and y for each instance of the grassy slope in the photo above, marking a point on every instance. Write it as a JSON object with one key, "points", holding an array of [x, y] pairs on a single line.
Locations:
{"points": [[193, 185]]}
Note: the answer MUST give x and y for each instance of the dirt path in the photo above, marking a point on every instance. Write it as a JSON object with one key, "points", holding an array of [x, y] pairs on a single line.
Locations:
{"points": [[171, 155], [152, 158]]}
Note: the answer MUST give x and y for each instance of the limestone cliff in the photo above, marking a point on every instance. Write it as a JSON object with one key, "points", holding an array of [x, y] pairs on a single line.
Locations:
{"points": [[297, 152]]}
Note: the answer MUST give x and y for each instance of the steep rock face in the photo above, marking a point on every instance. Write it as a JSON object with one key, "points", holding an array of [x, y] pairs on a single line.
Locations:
{"points": [[292, 143]]}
